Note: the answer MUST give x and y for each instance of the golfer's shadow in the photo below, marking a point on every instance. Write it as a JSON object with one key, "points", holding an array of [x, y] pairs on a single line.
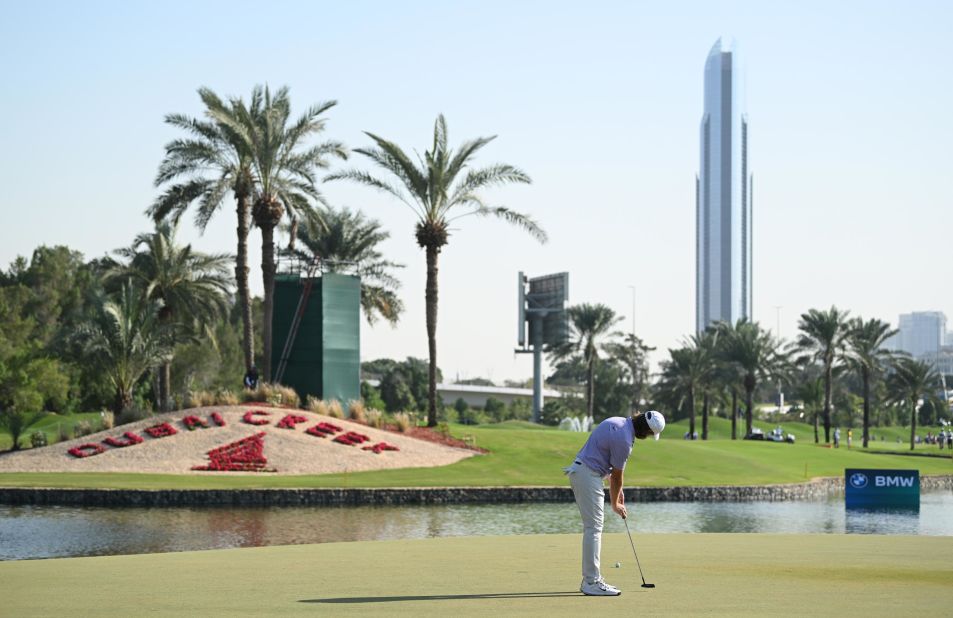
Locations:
{"points": [[445, 597]]}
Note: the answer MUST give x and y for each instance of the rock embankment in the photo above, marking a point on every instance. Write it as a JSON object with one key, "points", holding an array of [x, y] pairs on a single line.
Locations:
{"points": [[814, 490]]}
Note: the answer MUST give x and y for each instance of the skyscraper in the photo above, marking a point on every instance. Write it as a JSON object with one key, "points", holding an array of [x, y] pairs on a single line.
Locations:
{"points": [[723, 195], [920, 334]]}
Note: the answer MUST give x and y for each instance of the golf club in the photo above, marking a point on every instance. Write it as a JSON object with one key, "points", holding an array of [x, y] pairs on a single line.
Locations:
{"points": [[644, 585]]}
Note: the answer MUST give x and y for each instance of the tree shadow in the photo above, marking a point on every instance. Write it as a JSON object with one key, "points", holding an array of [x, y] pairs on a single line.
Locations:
{"points": [[445, 597]]}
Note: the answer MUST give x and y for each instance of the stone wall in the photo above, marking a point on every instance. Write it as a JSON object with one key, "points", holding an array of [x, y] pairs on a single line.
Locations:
{"points": [[816, 489]]}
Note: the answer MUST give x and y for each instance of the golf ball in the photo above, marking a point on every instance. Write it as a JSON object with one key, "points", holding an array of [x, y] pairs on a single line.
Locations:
{"points": [[618, 565]]}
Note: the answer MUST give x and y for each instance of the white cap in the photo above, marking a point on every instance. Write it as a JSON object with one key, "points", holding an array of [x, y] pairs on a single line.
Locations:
{"points": [[656, 422]]}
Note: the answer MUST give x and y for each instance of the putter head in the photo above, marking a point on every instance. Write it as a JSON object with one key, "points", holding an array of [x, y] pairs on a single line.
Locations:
{"points": [[648, 585]]}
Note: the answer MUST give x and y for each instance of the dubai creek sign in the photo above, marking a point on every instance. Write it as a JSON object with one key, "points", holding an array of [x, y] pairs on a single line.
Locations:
{"points": [[864, 488]]}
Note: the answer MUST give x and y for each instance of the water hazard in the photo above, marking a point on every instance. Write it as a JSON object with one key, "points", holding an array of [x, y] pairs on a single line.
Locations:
{"points": [[59, 531]]}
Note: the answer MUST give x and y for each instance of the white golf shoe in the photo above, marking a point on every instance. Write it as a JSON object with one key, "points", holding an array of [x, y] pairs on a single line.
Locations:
{"points": [[599, 589]]}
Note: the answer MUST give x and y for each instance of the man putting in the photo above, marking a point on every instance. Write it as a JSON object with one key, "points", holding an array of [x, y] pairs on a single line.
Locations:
{"points": [[605, 454]]}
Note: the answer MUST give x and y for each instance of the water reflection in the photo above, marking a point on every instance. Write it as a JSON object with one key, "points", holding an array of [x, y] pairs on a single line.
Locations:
{"points": [[52, 531], [870, 520]]}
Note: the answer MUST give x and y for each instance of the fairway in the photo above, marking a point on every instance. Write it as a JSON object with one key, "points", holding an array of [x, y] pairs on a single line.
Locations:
{"points": [[711, 574]]}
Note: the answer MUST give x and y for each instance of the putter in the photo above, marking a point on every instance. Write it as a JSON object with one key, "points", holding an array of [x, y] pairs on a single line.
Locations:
{"points": [[644, 585]]}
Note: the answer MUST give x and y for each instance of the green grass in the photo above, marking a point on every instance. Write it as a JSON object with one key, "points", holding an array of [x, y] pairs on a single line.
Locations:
{"points": [[525, 455], [50, 425], [694, 574]]}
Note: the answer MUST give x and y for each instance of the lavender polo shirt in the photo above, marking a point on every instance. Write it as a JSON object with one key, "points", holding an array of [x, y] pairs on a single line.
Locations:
{"points": [[609, 445]]}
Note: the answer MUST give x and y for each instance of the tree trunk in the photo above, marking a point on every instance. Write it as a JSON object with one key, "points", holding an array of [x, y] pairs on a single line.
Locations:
{"points": [[817, 437], [734, 414], [268, 278], [241, 281], [121, 402], [165, 381], [866, 378], [691, 413], [913, 423], [705, 403], [828, 379], [431, 298], [749, 412], [591, 388]]}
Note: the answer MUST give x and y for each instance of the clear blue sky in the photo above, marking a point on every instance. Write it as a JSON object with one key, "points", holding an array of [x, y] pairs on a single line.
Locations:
{"points": [[850, 107]]}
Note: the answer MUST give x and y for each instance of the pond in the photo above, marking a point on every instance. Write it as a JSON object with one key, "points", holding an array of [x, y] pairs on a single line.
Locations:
{"points": [[61, 531]]}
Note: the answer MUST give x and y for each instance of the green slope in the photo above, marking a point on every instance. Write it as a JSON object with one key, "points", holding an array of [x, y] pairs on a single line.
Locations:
{"points": [[697, 574], [528, 456]]}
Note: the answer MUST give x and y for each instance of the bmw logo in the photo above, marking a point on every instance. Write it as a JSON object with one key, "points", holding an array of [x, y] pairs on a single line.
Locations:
{"points": [[858, 480]]}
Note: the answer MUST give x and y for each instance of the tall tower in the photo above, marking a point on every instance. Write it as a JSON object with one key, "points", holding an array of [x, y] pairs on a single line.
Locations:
{"points": [[723, 195]]}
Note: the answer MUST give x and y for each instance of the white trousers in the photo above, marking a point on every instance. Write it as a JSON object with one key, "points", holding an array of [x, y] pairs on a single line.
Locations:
{"points": [[588, 488]]}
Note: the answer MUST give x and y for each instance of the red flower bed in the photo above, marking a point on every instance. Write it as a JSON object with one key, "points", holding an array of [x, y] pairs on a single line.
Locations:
{"points": [[217, 419], [380, 447], [290, 420], [160, 431], [323, 430], [128, 439], [87, 450], [191, 422], [245, 455], [351, 438], [249, 417]]}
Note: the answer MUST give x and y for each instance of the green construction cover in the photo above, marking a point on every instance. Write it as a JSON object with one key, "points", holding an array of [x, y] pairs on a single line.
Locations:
{"points": [[324, 360]]}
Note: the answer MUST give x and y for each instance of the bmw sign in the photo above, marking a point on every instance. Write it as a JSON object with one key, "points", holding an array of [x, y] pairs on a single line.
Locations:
{"points": [[876, 488], [857, 480]]}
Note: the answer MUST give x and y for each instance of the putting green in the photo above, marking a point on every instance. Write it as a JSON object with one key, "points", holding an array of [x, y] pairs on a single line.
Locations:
{"points": [[713, 574]]}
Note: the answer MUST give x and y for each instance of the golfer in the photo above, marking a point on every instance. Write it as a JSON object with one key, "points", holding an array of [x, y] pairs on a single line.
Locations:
{"points": [[605, 454]]}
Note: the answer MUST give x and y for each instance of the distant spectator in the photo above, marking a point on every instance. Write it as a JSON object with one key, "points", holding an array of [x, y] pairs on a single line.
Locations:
{"points": [[837, 437], [850, 437], [251, 378]]}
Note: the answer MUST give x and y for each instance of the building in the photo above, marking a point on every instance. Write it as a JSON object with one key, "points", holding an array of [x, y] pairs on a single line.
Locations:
{"points": [[920, 334], [476, 396], [723, 195]]}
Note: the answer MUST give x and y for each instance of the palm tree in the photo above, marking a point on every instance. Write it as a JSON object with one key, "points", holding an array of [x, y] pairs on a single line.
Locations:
{"points": [[632, 353], [205, 167], [909, 381], [590, 326], [438, 193], [126, 339], [867, 356], [824, 336], [687, 372], [192, 287], [811, 393], [346, 240], [283, 172], [756, 354]]}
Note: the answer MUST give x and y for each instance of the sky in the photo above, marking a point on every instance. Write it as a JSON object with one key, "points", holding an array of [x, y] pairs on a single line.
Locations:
{"points": [[850, 110]]}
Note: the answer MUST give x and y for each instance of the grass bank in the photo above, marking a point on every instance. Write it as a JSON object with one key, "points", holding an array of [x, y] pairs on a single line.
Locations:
{"points": [[710, 574], [522, 454]]}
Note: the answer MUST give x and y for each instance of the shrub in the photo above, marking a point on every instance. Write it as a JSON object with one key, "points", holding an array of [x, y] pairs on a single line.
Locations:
{"points": [[374, 418], [356, 410], [255, 394], [289, 396], [108, 419], [275, 394], [199, 399], [225, 397], [63, 432], [38, 438], [403, 421], [131, 416], [318, 406], [83, 428], [334, 409]]}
